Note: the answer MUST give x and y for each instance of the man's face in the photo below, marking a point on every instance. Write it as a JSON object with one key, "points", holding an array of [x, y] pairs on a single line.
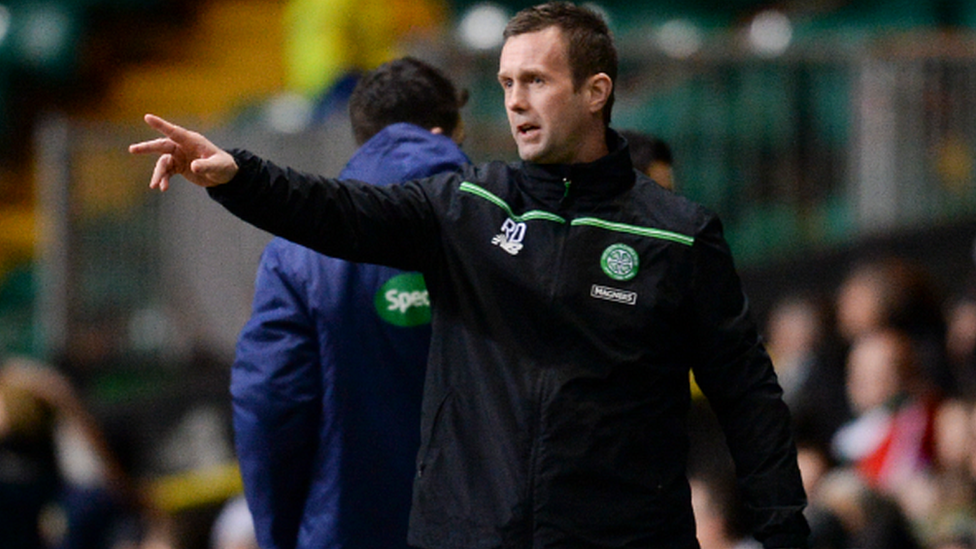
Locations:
{"points": [[550, 121]]}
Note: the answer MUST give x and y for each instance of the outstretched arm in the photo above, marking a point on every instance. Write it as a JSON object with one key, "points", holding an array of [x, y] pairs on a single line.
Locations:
{"points": [[187, 153]]}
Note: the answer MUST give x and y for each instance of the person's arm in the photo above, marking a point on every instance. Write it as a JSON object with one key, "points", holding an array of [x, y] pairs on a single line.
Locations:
{"points": [[391, 225], [734, 371], [276, 386]]}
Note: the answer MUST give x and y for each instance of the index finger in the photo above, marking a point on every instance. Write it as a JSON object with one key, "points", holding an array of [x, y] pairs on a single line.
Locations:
{"points": [[176, 133]]}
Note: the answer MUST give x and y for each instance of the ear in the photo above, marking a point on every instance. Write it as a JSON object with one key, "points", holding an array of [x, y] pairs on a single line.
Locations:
{"points": [[599, 87], [459, 132]]}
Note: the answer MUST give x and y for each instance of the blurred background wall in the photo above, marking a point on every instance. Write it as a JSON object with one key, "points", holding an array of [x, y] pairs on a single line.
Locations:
{"points": [[820, 130]]}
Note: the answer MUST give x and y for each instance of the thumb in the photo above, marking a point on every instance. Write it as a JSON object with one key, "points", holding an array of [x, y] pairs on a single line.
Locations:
{"points": [[217, 168]]}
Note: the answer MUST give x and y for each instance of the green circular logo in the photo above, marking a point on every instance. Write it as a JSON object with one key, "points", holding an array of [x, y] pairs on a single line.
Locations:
{"points": [[403, 300], [620, 262]]}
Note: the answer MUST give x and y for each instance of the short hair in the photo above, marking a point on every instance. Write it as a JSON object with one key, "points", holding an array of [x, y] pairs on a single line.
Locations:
{"points": [[645, 149], [590, 45], [404, 90]]}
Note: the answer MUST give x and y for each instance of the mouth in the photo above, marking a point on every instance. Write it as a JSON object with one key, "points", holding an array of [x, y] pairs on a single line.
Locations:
{"points": [[526, 130]]}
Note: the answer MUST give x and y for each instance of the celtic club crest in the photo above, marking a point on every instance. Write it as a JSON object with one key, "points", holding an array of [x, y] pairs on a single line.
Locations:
{"points": [[620, 262]]}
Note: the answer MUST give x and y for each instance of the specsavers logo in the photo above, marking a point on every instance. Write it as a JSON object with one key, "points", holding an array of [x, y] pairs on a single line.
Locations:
{"points": [[620, 262], [403, 301]]}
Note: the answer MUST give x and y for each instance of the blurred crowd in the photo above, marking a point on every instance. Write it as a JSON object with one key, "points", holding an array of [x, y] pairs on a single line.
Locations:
{"points": [[64, 486], [61, 485], [879, 377], [879, 374]]}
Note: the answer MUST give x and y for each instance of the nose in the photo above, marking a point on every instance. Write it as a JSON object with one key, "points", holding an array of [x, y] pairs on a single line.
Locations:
{"points": [[515, 98]]}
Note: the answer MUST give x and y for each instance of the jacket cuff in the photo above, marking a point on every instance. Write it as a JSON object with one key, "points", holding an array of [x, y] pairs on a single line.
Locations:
{"points": [[247, 165]]}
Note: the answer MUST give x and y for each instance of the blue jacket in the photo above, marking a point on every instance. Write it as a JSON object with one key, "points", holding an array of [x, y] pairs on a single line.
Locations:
{"points": [[328, 378]]}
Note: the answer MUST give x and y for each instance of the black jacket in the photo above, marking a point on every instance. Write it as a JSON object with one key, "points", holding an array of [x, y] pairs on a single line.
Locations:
{"points": [[569, 303]]}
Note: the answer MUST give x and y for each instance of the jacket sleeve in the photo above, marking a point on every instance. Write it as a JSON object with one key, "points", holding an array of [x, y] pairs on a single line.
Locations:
{"points": [[276, 391], [736, 375], [351, 220]]}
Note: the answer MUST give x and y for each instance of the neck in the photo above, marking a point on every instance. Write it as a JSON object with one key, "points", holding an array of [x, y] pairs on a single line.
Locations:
{"points": [[593, 148]]}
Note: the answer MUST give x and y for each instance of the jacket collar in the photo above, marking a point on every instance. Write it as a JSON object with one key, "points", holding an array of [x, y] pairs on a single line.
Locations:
{"points": [[401, 152], [592, 181]]}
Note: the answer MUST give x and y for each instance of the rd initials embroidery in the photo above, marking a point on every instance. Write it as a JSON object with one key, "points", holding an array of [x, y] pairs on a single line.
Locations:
{"points": [[511, 237]]}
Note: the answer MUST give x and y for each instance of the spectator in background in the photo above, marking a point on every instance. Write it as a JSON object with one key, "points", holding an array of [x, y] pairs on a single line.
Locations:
{"points": [[893, 292], [860, 517], [890, 439], [793, 333], [234, 527], [961, 343], [328, 378], [941, 504], [944, 505], [29, 475], [652, 157], [61, 487], [800, 339]]}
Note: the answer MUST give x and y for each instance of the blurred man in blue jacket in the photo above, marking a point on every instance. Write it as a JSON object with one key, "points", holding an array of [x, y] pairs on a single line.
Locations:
{"points": [[328, 378]]}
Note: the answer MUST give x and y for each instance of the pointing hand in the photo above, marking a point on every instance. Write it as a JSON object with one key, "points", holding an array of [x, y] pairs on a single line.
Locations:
{"points": [[187, 153]]}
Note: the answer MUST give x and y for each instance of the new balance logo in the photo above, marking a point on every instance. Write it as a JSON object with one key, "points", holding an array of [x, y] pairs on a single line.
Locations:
{"points": [[613, 294], [511, 236]]}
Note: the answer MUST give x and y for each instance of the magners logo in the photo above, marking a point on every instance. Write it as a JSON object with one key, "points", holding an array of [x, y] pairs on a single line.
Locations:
{"points": [[404, 301], [613, 294]]}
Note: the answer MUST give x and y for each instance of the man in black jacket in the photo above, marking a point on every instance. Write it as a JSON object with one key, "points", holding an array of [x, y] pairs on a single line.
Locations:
{"points": [[570, 297]]}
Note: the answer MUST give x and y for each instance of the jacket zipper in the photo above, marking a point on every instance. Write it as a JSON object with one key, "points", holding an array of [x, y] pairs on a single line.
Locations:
{"points": [[534, 455], [542, 379]]}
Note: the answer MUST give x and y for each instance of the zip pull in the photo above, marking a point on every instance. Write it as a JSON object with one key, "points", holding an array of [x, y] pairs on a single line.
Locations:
{"points": [[567, 183]]}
